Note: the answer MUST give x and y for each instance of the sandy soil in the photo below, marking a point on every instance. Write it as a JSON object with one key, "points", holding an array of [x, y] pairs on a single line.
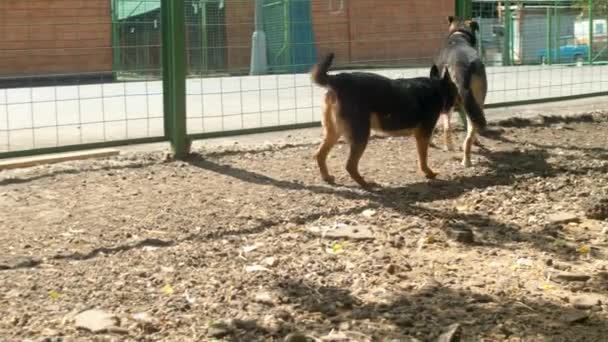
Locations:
{"points": [[236, 244]]}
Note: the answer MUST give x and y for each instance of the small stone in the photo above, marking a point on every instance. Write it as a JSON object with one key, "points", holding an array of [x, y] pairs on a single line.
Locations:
{"points": [[476, 283], [266, 298], [585, 302], [463, 235], [524, 262], [146, 322], [565, 276], [344, 326], [251, 248], [271, 324], [452, 334], [575, 317], [296, 337], [404, 321], [562, 218], [369, 213], [270, 261], [96, 321], [19, 262], [561, 266], [255, 268], [220, 329], [344, 232], [480, 298]]}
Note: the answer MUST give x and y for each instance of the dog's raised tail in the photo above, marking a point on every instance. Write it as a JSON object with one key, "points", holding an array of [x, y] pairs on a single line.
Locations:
{"points": [[318, 74]]}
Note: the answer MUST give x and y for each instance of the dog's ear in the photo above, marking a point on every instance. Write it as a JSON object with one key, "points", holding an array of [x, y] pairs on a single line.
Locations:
{"points": [[446, 76], [473, 25], [434, 72], [450, 19]]}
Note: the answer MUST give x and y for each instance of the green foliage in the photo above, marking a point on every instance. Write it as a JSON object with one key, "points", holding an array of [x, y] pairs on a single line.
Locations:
{"points": [[600, 8]]}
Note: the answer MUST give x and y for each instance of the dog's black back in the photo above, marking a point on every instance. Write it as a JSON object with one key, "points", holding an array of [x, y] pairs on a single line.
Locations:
{"points": [[399, 104]]}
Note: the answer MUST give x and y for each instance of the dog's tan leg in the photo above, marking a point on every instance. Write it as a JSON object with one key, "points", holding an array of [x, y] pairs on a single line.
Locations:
{"points": [[447, 131], [422, 147], [329, 141], [331, 136], [468, 143], [352, 165]]}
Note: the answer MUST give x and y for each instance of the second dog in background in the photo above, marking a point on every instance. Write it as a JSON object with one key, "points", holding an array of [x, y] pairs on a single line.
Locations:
{"points": [[358, 102], [459, 56]]}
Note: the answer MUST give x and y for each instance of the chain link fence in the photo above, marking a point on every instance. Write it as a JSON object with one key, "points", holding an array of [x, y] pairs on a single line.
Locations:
{"points": [[76, 74]]}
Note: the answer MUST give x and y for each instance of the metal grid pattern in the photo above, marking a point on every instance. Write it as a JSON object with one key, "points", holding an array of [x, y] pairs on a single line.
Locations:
{"points": [[60, 84], [395, 38], [90, 72]]}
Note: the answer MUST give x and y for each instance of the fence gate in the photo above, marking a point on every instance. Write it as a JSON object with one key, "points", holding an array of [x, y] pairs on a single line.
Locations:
{"points": [[289, 36]]}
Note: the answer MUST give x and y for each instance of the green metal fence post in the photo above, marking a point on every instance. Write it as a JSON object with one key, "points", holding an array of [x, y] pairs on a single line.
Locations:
{"points": [[115, 40], [549, 49], [556, 32], [506, 55], [464, 9], [590, 54], [173, 20]]}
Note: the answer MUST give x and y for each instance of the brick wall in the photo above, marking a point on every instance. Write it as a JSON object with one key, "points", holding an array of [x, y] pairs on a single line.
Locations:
{"points": [[39, 37], [381, 31], [360, 32], [239, 28], [74, 36]]}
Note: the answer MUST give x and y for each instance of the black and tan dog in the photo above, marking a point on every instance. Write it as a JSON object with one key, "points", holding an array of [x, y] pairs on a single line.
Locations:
{"points": [[459, 56], [359, 102]]}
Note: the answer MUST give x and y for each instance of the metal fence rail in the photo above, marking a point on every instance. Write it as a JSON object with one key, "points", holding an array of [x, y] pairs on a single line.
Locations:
{"points": [[80, 74]]}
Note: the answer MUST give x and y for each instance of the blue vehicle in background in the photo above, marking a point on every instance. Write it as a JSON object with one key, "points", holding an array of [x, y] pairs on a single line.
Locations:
{"points": [[565, 54]]}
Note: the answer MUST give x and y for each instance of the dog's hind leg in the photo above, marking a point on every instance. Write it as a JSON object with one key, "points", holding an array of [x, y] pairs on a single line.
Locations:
{"points": [[422, 146], [448, 143], [331, 135], [468, 143], [328, 142]]}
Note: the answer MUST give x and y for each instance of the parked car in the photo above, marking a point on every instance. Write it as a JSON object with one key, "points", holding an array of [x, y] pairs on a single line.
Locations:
{"points": [[565, 54]]}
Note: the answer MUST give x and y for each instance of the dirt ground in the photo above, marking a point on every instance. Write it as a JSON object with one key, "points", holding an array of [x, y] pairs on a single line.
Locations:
{"points": [[227, 246]]}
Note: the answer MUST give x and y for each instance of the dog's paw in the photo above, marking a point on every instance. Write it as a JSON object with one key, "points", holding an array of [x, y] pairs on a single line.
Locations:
{"points": [[371, 186], [329, 179], [431, 175], [428, 174]]}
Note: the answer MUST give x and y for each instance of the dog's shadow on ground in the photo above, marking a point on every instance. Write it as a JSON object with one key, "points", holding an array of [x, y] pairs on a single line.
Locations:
{"points": [[408, 200], [555, 123], [428, 310]]}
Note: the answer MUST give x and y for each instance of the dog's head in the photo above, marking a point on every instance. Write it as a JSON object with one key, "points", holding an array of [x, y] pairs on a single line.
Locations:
{"points": [[466, 28], [449, 93]]}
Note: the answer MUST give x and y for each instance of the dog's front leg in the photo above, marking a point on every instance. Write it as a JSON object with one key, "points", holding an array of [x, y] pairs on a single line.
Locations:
{"points": [[423, 140]]}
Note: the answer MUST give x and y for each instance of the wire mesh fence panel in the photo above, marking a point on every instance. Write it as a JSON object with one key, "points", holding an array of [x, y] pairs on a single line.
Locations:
{"points": [[536, 50], [78, 72], [391, 37]]}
